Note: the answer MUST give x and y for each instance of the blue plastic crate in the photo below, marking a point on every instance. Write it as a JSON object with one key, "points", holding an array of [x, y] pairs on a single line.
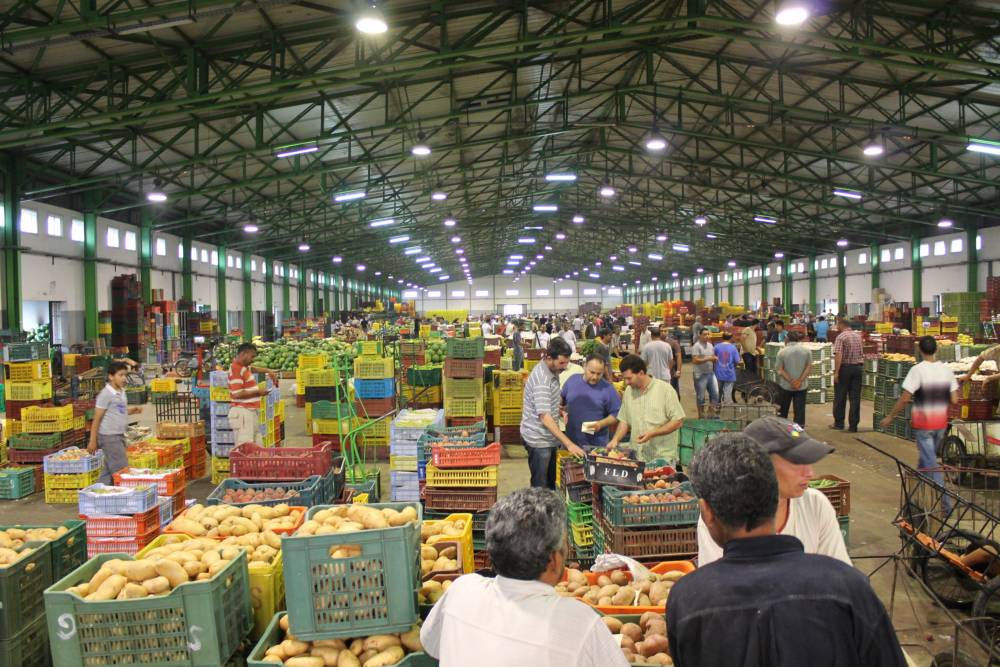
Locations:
{"points": [[422, 470], [201, 393], [374, 388], [86, 464], [220, 409], [310, 492], [219, 379], [411, 433], [222, 449], [166, 504], [135, 500]]}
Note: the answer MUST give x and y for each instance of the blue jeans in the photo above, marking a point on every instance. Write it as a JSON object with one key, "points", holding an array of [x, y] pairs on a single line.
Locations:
{"points": [[928, 443], [727, 390], [542, 464], [703, 382]]}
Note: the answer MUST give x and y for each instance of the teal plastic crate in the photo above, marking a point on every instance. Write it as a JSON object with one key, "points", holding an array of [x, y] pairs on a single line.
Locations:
{"points": [[331, 410], [21, 588], [696, 432], [617, 512], [16, 483], [30, 648], [845, 529], [465, 348], [580, 513], [198, 624], [69, 551], [351, 597]]}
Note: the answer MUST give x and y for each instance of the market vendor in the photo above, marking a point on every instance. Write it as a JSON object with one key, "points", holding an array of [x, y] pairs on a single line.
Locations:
{"points": [[803, 512], [650, 411], [517, 618], [991, 353], [245, 394], [111, 411], [592, 405]]}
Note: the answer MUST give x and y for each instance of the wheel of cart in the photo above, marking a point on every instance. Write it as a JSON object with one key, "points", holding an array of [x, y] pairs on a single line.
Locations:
{"points": [[972, 444], [751, 388], [954, 659]]}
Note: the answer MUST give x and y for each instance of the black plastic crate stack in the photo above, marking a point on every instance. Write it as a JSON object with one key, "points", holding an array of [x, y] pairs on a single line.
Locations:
{"points": [[579, 495], [127, 314]]}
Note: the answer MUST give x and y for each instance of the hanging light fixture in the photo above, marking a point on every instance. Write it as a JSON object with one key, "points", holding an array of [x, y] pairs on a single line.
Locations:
{"points": [[449, 221], [157, 195], [421, 149], [792, 13], [873, 146], [655, 142], [303, 247], [607, 190], [945, 223], [701, 221], [371, 21], [439, 194]]}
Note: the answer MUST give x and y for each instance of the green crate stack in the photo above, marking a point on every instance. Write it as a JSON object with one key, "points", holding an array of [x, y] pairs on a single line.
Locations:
{"points": [[23, 629], [820, 380], [695, 433], [888, 387], [964, 306]]}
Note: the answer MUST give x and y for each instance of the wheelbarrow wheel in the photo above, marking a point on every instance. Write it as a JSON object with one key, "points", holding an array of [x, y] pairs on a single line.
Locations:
{"points": [[954, 588], [954, 658], [986, 609]]}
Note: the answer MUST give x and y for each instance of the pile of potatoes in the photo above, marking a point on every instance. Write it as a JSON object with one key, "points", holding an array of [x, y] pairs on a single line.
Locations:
{"points": [[220, 521], [614, 589], [355, 518], [161, 570], [13, 538], [431, 591], [373, 651], [10, 556], [438, 559], [645, 642], [432, 532]]}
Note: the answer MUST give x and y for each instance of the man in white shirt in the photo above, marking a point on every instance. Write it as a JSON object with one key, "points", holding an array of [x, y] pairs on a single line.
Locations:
{"points": [[568, 335], [578, 326], [487, 328], [803, 512], [517, 618]]}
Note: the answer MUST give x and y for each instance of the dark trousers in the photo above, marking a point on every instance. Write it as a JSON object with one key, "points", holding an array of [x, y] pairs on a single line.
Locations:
{"points": [[787, 398], [676, 384], [848, 386], [542, 464], [750, 362]]}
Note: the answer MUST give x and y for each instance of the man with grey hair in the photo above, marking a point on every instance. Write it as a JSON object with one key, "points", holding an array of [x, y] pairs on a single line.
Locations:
{"points": [[767, 602], [517, 618]]}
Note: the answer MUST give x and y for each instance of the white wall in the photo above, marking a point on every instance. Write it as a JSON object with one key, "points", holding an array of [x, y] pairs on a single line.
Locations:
{"points": [[493, 294]]}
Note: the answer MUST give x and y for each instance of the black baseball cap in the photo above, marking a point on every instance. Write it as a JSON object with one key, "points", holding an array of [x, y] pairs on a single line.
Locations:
{"points": [[786, 439]]}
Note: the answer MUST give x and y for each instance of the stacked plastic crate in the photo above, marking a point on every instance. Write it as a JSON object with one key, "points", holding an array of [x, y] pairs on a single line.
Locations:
{"points": [[374, 388], [820, 373], [579, 495], [223, 436], [421, 372], [888, 388], [407, 457], [127, 314], [267, 423], [23, 628], [507, 399], [191, 436], [869, 377], [838, 491], [68, 471], [169, 484], [27, 380], [122, 519], [313, 385], [44, 432], [464, 394]]}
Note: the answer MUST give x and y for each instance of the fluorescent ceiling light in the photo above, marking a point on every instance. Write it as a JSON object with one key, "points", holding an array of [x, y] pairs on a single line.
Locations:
{"points": [[436, 269], [765, 219], [517, 257], [731, 263], [251, 229], [337, 259], [548, 247], [560, 178], [634, 263], [982, 146], [701, 221], [607, 191], [292, 151], [594, 275], [508, 271], [371, 21], [674, 274], [525, 240], [350, 196], [578, 219], [681, 247], [459, 251], [439, 195], [421, 150], [655, 142], [382, 223], [661, 238], [513, 262], [873, 147], [378, 273], [456, 239], [842, 243], [304, 247], [360, 267], [444, 277], [399, 239], [413, 251], [560, 237], [945, 222], [156, 196], [427, 265], [617, 267], [613, 257], [791, 14], [421, 260], [779, 255], [850, 194], [711, 236], [654, 255], [449, 222], [597, 263], [545, 208]]}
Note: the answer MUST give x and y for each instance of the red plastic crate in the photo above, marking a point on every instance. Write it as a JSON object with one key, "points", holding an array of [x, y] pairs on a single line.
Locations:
{"points": [[466, 457], [135, 525], [22, 456], [13, 408], [249, 461], [463, 368], [178, 502], [462, 421], [167, 484], [375, 407], [492, 357], [461, 500], [118, 545]]}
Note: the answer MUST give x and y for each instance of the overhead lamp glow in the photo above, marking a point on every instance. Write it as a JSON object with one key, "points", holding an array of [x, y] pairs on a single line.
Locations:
{"points": [[633, 263], [459, 251], [945, 222], [513, 262], [655, 256], [661, 238], [378, 273], [597, 263], [548, 247], [251, 229], [655, 142], [360, 268], [560, 237], [516, 257], [792, 13], [842, 243], [731, 263], [982, 146], [711, 236], [674, 274], [700, 270], [537, 256], [416, 250], [577, 219], [303, 247], [156, 196], [681, 247], [594, 275], [560, 178], [607, 190], [436, 269], [421, 260], [617, 267], [449, 222], [371, 21], [508, 272], [850, 194], [779, 255], [545, 208], [701, 221], [873, 147], [456, 239], [576, 273], [337, 259], [765, 219], [427, 265], [526, 240], [421, 150], [350, 196], [444, 277], [292, 151], [382, 223], [399, 239]]}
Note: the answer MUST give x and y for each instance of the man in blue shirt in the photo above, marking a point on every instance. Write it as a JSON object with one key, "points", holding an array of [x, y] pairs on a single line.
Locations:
{"points": [[822, 329], [725, 367], [592, 405]]}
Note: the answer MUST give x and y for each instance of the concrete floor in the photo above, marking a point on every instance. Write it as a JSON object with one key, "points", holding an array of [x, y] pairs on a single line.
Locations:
{"points": [[874, 500]]}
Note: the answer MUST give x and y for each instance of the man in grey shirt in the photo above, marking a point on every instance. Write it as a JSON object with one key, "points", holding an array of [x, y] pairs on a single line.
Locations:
{"points": [[658, 356], [703, 358], [793, 367], [602, 348], [697, 328], [540, 412]]}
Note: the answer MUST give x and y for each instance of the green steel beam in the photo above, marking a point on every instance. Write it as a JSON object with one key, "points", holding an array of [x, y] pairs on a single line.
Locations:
{"points": [[187, 272], [716, 289], [12, 245], [146, 256], [841, 284], [917, 272], [303, 298], [248, 328], [813, 300], [220, 290], [972, 261], [338, 283], [875, 251], [787, 277], [268, 292], [286, 295], [763, 286], [90, 308], [746, 288]]}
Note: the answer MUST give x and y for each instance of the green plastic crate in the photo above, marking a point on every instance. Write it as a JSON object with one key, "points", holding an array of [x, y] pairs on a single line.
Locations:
{"points": [[580, 513], [845, 529], [465, 348], [69, 551], [695, 432], [464, 388], [423, 376], [16, 483], [619, 513], [21, 588], [331, 410], [30, 648], [198, 624], [352, 597], [35, 441]]}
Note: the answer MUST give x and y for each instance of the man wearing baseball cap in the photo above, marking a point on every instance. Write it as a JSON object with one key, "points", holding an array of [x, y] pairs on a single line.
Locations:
{"points": [[803, 512]]}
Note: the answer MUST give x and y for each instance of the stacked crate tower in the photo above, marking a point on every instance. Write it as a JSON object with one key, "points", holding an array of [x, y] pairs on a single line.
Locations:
{"points": [[169, 331], [128, 314], [407, 456], [966, 307], [27, 384], [375, 396], [820, 380], [67, 466], [420, 362], [222, 435], [123, 522], [888, 387], [869, 378], [507, 399], [579, 496], [464, 393]]}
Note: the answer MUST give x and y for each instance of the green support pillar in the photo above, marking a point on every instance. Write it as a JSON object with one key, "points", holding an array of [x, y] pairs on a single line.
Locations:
{"points": [[220, 290], [338, 284], [12, 245], [876, 265], [731, 296], [917, 271], [90, 203], [813, 303], [716, 288], [286, 295], [746, 288], [317, 293], [247, 299], [303, 299], [187, 283], [972, 266], [786, 285], [704, 289], [146, 256], [763, 287], [841, 284], [268, 290]]}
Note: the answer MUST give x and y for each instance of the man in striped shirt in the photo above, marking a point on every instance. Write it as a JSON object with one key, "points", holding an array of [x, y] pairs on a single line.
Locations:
{"points": [[245, 393], [848, 361], [540, 412]]}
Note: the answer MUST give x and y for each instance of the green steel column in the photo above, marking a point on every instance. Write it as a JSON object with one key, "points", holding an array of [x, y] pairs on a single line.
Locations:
{"points": [[732, 287], [841, 284], [763, 286], [704, 289], [917, 271], [813, 303], [973, 255], [146, 255], [220, 290], [746, 288], [90, 202], [286, 295], [716, 288], [268, 288], [187, 284], [12, 246], [876, 264], [303, 299], [786, 285], [338, 284], [247, 299]]}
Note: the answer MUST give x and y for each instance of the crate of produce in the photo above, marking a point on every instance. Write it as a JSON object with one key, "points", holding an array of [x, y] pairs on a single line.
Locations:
{"points": [[579, 493], [30, 456], [163, 386], [571, 470], [696, 432], [317, 377], [374, 368], [72, 461], [67, 543], [29, 648], [16, 482], [656, 507], [253, 462], [180, 430], [644, 543], [369, 348], [579, 513], [463, 368], [836, 489], [197, 624], [464, 407], [374, 388], [307, 361], [235, 492], [433, 532], [103, 499], [461, 477], [507, 399], [129, 546], [36, 441], [977, 390], [423, 376], [375, 590], [465, 457], [375, 407], [123, 525], [74, 481], [605, 469], [682, 566], [166, 482], [465, 348], [15, 352], [460, 500], [27, 371], [21, 586]]}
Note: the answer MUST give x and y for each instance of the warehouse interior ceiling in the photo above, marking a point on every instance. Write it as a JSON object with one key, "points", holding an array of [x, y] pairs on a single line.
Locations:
{"points": [[103, 101]]}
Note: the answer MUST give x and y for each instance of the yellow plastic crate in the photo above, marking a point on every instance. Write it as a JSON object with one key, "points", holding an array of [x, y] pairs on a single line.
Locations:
{"points": [[12, 427], [312, 361], [377, 434], [370, 348], [458, 477], [35, 413], [583, 535], [508, 398], [35, 390], [529, 364], [219, 394], [79, 422], [48, 427], [374, 368], [61, 496], [561, 455], [75, 481], [267, 440], [185, 443], [360, 499], [28, 371], [330, 427], [104, 329], [468, 555], [206, 326], [616, 363], [317, 377], [431, 395], [300, 385], [403, 463], [163, 386]]}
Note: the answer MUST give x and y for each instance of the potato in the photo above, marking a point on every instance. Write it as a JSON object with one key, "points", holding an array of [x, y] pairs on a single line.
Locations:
{"points": [[348, 659], [305, 661], [109, 588], [381, 642], [619, 577], [328, 653], [132, 591], [652, 645], [390, 656], [174, 573], [411, 640], [604, 580], [293, 647], [657, 627], [659, 659], [658, 593], [140, 570], [357, 646], [610, 590], [604, 601], [627, 644], [283, 623], [624, 596], [156, 585], [614, 625], [633, 631], [324, 643], [186, 524]]}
